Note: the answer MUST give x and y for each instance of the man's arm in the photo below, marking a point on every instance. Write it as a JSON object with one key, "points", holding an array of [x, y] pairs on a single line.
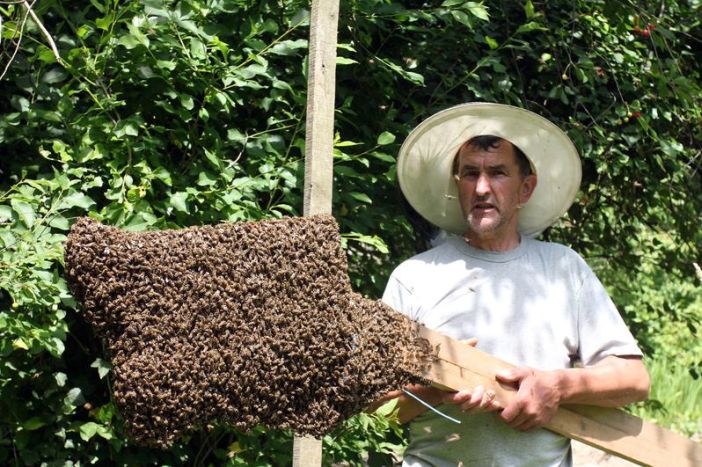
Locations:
{"points": [[612, 382]]}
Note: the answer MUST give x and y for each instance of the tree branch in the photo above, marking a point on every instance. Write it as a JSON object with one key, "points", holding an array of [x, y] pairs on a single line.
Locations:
{"points": [[17, 47], [43, 30]]}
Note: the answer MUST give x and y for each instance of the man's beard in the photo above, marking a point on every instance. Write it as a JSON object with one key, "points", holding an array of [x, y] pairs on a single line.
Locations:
{"points": [[476, 227]]}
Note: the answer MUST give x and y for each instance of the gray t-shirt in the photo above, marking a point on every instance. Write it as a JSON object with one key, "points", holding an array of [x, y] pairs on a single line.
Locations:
{"points": [[538, 305]]}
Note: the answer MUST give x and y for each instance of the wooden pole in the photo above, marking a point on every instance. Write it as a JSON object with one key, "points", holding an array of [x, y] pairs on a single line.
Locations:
{"points": [[321, 79], [319, 140], [614, 431]]}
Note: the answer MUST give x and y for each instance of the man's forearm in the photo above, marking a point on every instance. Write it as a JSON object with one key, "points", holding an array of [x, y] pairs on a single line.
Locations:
{"points": [[613, 382]]}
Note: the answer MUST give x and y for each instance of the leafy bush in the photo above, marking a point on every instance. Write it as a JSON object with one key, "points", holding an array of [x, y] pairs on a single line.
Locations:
{"points": [[169, 113], [676, 398]]}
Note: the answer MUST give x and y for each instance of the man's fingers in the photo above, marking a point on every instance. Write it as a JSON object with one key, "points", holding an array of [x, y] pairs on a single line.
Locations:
{"points": [[525, 422], [488, 400], [476, 397], [514, 418], [457, 397], [476, 400], [513, 375], [473, 341]]}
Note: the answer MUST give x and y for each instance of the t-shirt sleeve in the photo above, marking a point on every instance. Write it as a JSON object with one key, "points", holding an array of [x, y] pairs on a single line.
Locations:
{"points": [[602, 331], [399, 296]]}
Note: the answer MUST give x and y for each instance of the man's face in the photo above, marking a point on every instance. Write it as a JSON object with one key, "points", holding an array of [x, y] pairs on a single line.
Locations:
{"points": [[491, 189]]}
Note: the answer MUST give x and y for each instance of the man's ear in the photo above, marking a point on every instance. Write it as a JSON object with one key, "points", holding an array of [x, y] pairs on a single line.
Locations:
{"points": [[527, 189]]}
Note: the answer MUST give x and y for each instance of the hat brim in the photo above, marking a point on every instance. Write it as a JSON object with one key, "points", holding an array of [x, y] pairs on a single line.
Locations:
{"points": [[425, 162]]}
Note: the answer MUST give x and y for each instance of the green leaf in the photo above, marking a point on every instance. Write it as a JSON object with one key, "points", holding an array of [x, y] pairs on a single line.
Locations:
{"points": [[415, 78], [55, 346], [126, 127], [25, 212], [102, 366], [129, 41], [5, 212], [166, 65], [387, 408], [19, 343], [164, 175], [146, 72], [478, 10], [462, 17], [385, 138], [98, 6], [60, 379], [53, 76], [88, 430], [286, 48], [492, 43], [59, 222], [33, 423], [362, 197], [178, 201], [235, 135], [197, 48], [529, 9], [214, 160], [104, 413], [46, 55], [186, 101], [383, 157], [531, 26], [73, 399], [204, 179], [345, 61], [372, 240], [76, 200], [105, 432], [104, 22], [346, 171]]}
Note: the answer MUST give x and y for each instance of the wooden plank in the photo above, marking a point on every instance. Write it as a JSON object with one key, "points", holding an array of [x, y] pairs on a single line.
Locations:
{"points": [[319, 140], [614, 431]]}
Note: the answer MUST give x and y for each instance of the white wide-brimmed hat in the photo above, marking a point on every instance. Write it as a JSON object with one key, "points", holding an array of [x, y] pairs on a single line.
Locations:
{"points": [[426, 157]]}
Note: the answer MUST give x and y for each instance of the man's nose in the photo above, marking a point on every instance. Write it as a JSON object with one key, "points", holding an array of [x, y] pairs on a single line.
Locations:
{"points": [[482, 186]]}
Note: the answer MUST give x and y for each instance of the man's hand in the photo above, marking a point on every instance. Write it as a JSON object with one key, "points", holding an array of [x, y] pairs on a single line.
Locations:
{"points": [[408, 408], [537, 397], [473, 401]]}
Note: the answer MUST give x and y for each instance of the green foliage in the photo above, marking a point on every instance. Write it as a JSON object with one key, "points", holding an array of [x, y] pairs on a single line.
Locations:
{"points": [[367, 439], [676, 398], [167, 113]]}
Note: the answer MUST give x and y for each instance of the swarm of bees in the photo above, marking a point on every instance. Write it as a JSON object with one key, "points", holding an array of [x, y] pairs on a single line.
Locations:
{"points": [[237, 324]]}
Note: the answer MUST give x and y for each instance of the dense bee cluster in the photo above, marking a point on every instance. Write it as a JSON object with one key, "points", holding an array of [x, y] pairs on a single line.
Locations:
{"points": [[240, 324]]}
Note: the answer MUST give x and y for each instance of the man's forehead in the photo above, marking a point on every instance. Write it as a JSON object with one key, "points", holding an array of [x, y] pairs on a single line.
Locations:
{"points": [[478, 157], [485, 164]]}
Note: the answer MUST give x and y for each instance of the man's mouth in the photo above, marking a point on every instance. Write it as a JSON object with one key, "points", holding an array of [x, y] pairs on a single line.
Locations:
{"points": [[483, 207]]}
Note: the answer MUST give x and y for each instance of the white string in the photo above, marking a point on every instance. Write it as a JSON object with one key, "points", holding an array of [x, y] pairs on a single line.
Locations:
{"points": [[428, 406]]}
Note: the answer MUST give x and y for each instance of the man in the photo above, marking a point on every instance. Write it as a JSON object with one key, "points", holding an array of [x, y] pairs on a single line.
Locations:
{"points": [[495, 176]]}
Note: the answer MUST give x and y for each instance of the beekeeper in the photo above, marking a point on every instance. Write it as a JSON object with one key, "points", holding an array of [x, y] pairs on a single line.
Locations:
{"points": [[493, 177]]}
